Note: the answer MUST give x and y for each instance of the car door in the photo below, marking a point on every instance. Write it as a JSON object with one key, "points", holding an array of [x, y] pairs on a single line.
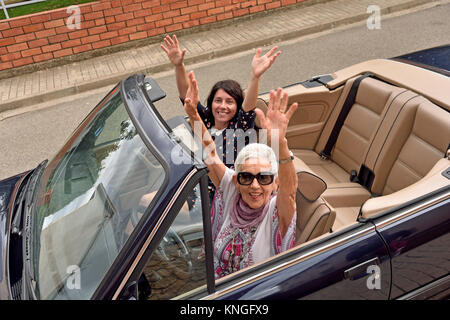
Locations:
{"points": [[418, 236]]}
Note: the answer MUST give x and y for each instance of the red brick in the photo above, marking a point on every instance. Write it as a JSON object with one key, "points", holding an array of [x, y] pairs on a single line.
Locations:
{"points": [[223, 3], [90, 39], [153, 18], [12, 32], [189, 10], [100, 22], [155, 32], [17, 47], [142, 13], [19, 22], [10, 56], [248, 4], [241, 12], [45, 33], [119, 40], [116, 26], [100, 6], [54, 24], [33, 27], [93, 15], [58, 38], [31, 52], [163, 23], [190, 24], [257, 9], [109, 35], [181, 19], [151, 3], [224, 16], [288, 2], [132, 8], [206, 6], [215, 11], [43, 57], [125, 16], [126, 2], [263, 1], [128, 30], [85, 8], [3, 50], [62, 53], [97, 30], [178, 5], [22, 62], [60, 14], [116, 3], [78, 34], [40, 18], [160, 9], [88, 24], [109, 20], [51, 47], [135, 22], [82, 48], [208, 20], [198, 15], [25, 37], [138, 35], [174, 27], [145, 27], [38, 43], [71, 43], [6, 65], [7, 42], [101, 44], [62, 29], [273, 5], [171, 14], [4, 26], [113, 12], [195, 2]]}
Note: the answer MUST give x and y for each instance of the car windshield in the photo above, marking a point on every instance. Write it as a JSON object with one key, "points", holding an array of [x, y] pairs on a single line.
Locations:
{"points": [[88, 202]]}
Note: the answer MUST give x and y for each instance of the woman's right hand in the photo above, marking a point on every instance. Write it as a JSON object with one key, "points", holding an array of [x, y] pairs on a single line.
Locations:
{"points": [[173, 51]]}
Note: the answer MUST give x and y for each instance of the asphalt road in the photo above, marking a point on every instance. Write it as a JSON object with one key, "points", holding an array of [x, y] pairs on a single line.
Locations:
{"points": [[28, 138]]}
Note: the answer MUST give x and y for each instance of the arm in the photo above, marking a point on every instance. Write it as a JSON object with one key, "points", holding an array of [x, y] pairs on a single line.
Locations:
{"points": [[216, 167], [176, 57], [259, 65], [276, 121]]}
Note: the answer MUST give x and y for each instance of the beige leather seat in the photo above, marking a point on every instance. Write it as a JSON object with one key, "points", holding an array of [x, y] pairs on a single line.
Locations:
{"points": [[314, 215]]}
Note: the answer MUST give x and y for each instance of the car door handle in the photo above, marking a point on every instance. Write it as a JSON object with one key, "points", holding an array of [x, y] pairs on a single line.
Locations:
{"points": [[360, 270]]}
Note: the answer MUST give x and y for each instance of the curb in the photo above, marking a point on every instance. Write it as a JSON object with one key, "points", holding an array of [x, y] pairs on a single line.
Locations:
{"points": [[87, 86]]}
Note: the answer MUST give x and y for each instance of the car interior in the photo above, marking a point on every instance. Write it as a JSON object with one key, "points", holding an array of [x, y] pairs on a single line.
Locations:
{"points": [[392, 147]]}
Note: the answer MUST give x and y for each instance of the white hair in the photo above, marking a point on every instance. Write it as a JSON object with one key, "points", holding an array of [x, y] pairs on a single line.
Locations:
{"points": [[256, 151]]}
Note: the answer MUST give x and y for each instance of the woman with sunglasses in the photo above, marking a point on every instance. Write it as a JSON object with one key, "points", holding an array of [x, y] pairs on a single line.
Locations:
{"points": [[254, 212]]}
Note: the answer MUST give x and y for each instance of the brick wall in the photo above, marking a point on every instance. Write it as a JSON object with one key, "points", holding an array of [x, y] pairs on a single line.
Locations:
{"points": [[46, 36]]}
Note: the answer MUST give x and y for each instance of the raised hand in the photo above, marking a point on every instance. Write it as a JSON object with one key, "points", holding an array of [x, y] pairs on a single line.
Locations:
{"points": [[261, 63], [277, 116], [173, 51], [192, 99]]}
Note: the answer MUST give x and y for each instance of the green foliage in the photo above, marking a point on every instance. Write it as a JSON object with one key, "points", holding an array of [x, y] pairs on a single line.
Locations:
{"points": [[40, 6]]}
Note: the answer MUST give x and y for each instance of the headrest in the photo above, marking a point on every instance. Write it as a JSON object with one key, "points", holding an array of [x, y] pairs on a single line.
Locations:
{"points": [[310, 185]]}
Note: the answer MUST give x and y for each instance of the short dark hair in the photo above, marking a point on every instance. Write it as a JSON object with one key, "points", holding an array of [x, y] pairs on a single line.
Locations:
{"points": [[233, 88]]}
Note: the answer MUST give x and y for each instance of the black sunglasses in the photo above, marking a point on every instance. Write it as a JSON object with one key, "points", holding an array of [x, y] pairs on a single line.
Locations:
{"points": [[263, 178]]}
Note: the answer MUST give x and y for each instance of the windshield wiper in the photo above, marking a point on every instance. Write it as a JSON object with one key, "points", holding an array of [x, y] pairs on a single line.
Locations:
{"points": [[28, 285]]}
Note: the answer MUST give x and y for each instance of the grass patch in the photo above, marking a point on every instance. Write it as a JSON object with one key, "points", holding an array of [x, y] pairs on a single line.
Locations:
{"points": [[39, 7]]}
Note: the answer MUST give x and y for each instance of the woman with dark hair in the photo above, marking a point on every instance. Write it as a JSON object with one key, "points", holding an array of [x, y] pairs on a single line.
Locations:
{"points": [[228, 113]]}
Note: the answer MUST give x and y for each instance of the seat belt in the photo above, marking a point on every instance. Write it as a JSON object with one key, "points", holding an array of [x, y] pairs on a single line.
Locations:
{"points": [[349, 101]]}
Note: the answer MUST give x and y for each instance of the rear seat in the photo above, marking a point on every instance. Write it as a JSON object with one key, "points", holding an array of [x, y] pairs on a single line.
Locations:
{"points": [[385, 130]]}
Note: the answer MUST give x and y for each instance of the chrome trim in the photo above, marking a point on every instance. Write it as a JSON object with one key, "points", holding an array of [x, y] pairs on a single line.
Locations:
{"points": [[436, 287], [290, 263], [407, 212], [152, 234]]}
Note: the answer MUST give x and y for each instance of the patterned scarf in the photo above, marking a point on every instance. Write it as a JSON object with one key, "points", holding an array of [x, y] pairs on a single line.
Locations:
{"points": [[242, 216]]}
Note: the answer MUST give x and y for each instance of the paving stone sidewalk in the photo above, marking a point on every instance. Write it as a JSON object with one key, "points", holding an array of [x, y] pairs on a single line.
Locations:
{"points": [[28, 89]]}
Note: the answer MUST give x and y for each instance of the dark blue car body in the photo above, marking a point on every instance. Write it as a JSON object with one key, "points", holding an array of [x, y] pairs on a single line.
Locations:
{"points": [[400, 254]]}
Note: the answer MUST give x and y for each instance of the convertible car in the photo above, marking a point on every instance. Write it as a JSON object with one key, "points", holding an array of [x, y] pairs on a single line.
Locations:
{"points": [[122, 211]]}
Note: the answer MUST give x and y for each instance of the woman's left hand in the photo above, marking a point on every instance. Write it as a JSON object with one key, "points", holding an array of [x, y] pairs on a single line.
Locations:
{"points": [[261, 63], [277, 117]]}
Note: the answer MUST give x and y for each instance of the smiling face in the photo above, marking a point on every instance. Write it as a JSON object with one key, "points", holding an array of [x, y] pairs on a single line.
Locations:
{"points": [[224, 108], [256, 195]]}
